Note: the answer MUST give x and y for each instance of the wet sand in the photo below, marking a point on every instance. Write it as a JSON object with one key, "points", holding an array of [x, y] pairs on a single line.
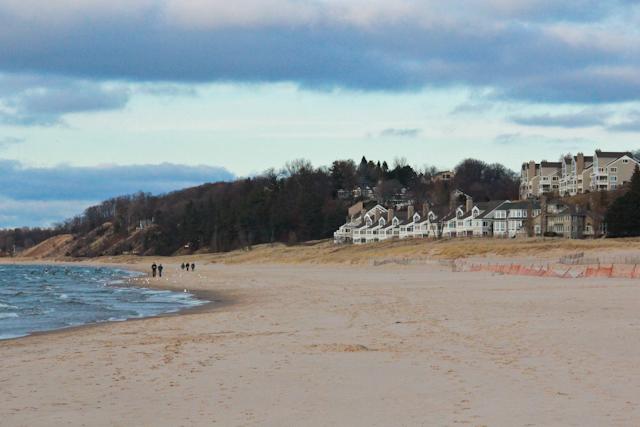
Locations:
{"points": [[344, 345]]}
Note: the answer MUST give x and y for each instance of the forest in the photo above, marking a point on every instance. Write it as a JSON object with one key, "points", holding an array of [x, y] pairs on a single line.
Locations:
{"points": [[295, 204]]}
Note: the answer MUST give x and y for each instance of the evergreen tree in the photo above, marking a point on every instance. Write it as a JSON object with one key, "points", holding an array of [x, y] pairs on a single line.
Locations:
{"points": [[623, 216]]}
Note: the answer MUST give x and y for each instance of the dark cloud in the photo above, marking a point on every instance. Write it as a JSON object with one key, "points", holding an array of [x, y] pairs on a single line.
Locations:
{"points": [[65, 182], [400, 132], [51, 194], [512, 48], [30, 100], [585, 118]]}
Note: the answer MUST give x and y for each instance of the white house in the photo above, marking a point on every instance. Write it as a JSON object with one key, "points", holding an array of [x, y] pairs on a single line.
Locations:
{"points": [[510, 217]]}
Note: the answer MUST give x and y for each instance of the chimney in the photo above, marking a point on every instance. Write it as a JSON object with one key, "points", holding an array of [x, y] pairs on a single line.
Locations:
{"points": [[390, 215], [532, 169], [469, 204], [579, 163], [425, 209], [410, 211]]}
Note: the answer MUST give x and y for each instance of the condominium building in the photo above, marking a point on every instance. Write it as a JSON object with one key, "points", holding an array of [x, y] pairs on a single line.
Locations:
{"points": [[611, 170], [604, 171], [537, 179], [576, 174]]}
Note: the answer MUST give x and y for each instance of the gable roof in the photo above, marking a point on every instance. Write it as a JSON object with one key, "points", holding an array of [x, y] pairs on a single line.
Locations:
{"points": [[546, 164], [522, 204], [613, 154], [490, 207]]}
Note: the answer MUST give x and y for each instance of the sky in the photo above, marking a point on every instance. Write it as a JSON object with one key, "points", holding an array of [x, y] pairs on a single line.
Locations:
{"points": [[100, 98]]}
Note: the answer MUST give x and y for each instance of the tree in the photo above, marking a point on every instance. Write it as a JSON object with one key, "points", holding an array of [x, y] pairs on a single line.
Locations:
{"points": [[623, 216], [343, 175]]}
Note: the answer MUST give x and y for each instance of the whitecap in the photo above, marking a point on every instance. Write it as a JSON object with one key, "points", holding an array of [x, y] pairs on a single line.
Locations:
{"points": [[8, 315]]}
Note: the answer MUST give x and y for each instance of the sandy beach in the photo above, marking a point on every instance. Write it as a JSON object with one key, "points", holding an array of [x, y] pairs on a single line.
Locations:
{"points": [[343, 345]]}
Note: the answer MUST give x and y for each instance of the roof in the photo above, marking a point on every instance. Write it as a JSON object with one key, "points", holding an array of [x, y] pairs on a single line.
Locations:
{"points": [[451, 214], [546, 164], [613, 154], [522, 204], [370, 204], [489, 207], [568, 208]]}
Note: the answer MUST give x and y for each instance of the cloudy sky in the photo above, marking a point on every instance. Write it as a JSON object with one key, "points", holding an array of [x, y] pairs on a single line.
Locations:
{"points": [[103, 97]]}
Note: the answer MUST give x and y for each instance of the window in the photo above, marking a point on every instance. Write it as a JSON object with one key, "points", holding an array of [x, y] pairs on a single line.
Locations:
{"points": [[613, 169], [625, 160], [613, 178]]}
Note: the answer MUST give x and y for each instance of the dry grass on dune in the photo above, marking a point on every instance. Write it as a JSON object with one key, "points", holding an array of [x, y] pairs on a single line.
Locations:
{"points": [[326, 252], [416, 249]]}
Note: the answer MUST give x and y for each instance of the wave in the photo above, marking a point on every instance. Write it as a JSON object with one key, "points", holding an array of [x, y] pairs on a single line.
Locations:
{"points": [[70, 296], [10, 315]]}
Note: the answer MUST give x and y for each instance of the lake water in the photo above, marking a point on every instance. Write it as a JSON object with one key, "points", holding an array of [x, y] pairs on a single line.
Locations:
{"points": [[43, 298]]}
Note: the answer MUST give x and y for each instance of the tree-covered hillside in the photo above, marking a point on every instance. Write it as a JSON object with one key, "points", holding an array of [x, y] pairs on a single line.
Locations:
{"points": [[296, 204]]}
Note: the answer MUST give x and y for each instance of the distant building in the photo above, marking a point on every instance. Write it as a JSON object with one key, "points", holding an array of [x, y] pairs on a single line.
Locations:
{"points": [[444, 176], [604, 171], [541, 178], [611, 170], [576, 174]]}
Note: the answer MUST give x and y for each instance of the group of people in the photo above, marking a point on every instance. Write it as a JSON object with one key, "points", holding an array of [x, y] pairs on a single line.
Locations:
{"points": [[157, 268], [187, 265]]}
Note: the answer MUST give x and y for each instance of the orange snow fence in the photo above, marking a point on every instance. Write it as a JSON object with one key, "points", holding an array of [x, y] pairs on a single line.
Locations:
{"points": [[600, 271]]}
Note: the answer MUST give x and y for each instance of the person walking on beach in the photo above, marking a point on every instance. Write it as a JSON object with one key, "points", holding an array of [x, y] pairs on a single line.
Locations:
{"points": [[193, 267], [182, 266], [187, 266], [154, 267], [160, 267]]}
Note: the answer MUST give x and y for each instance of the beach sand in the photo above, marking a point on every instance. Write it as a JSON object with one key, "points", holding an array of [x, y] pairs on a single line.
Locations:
{"points": [[343, 345]]}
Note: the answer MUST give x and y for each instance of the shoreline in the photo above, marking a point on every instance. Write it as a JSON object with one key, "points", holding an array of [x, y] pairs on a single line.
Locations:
{"points": [[212, 299]]}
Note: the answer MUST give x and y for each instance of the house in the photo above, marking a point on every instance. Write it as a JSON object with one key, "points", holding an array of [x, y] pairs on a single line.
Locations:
{"points": [[509, 218], [564, 219], [558, 218], [452, 221], [443, 176], [611, 170], [344, 194], [483, 215], [410, 223], [360, 216]]}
